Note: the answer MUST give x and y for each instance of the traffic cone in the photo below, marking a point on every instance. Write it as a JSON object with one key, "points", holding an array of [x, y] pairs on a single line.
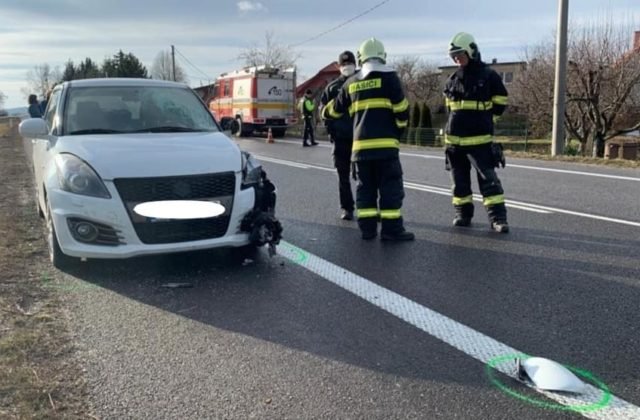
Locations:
{"points": [[270, 136]]}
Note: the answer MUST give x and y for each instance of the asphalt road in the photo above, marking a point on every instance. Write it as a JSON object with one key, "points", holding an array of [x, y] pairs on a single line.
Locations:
{"points": [[336, 327]]}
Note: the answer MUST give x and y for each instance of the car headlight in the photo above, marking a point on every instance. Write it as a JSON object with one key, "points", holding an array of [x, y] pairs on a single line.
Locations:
{"points": [[251, 171], [76, 176]]}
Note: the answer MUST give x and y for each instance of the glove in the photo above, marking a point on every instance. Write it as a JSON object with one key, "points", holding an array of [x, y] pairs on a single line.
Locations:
{"points": [[498, 155]]}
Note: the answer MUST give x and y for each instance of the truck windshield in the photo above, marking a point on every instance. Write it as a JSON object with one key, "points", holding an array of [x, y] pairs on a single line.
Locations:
{"points": [[135, 109]]}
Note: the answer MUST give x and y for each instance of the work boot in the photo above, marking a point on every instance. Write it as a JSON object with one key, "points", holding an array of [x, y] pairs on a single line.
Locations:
{"points": [[461, 221], [368, 235], [314, 143], [500, 226], [399, 236], [305, 144], [347, 215]]}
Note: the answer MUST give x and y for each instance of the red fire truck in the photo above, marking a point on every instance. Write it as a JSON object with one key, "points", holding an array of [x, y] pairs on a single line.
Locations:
{"points": [[255, 99]]}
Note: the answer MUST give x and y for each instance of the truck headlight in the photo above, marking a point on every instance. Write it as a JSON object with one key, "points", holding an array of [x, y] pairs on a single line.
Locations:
{"points": [[251, 171], [76, 176]]}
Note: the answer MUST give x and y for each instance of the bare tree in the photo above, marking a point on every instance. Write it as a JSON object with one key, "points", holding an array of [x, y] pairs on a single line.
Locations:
{"points": [[420, 80], [42, 78], [602, 85], [271, 54], [162, 68]]}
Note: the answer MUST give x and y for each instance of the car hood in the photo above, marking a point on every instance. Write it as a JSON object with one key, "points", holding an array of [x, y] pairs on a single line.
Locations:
{"points": [[154, 155]]}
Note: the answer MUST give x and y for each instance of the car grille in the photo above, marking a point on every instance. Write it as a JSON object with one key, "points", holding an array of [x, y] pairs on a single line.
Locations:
{"points": [[210, 187]]}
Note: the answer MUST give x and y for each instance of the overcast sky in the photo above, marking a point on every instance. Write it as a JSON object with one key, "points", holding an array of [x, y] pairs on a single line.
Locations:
{"points": [[209, 34]]}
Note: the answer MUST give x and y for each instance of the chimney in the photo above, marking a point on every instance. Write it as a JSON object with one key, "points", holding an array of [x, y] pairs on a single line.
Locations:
{"points": [[495, 60], [636, 40]]}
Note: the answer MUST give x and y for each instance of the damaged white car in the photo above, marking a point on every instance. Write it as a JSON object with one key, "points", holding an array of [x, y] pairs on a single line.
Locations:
{"points": [[129, 167]]}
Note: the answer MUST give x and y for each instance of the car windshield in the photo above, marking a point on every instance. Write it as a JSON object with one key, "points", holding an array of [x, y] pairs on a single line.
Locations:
{"points": [[135, 109]]}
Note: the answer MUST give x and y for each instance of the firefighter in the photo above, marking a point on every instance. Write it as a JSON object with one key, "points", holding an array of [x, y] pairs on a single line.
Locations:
{"points": [[341, 134], [307, 108], [375, 100], [475, 98]]}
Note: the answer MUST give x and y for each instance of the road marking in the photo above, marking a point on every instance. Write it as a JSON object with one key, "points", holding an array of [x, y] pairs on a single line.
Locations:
{"points": [[535, 208], [469, 341], [513, 165]]}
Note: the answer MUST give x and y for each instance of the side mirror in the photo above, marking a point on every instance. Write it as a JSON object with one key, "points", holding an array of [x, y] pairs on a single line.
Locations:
{"points": [[33, 128]]}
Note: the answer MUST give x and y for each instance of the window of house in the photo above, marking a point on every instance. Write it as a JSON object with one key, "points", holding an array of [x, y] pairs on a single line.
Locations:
{"points": [[508, 77]]}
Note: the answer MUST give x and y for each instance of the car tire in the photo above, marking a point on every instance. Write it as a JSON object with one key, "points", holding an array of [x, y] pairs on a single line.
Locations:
{"points": [[59, 259]]}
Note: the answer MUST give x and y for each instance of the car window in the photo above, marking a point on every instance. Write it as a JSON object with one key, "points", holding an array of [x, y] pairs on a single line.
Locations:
{"points": [[129, 109], [52, 109]]}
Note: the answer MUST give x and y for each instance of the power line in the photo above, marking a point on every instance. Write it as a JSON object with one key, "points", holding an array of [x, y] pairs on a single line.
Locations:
{"points": [[192, 65], [369, 10]]}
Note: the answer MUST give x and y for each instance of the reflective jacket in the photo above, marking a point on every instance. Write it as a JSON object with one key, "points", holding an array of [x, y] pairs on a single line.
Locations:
{"points": [[307, 106], [374, 99], [475, 97]]}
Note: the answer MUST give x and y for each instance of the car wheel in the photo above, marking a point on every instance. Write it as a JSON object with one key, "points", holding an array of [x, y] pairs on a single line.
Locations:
{"points": [[59, 259]]}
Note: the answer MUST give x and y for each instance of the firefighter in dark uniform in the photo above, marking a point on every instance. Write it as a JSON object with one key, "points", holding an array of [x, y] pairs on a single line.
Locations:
{"points": [[341, 134], [307, 107], [475, 97], [373, 97]]}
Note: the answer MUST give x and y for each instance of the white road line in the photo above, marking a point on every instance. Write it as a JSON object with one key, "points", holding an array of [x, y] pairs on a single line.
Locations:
{"points": [[465, 339], [566, 171], [535, 208]]}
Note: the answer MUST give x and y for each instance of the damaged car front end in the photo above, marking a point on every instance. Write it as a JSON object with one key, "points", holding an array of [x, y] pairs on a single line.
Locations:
{"points": [[260, 223]]}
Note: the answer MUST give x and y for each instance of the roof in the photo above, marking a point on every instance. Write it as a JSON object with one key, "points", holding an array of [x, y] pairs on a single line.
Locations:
{"points": [[490, 64], [123, 81], [331, 70]]}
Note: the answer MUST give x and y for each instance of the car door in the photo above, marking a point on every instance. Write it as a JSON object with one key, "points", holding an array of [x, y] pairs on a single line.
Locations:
{"points": [[41, 146]]}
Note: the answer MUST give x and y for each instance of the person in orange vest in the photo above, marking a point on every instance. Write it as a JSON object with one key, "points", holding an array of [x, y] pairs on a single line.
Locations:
{"points": [[307, 107]]}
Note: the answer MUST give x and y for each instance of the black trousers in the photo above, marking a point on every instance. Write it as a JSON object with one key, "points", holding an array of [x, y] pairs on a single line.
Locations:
{"points": [[343, 166], [462, 160], [308, 130], [379, 195]]}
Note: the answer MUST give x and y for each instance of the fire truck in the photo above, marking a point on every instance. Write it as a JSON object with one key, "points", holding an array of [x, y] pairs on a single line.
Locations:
{"points": [[255, 99]]}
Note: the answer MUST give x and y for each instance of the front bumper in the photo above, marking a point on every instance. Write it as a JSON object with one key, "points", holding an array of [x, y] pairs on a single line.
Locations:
{"points": [[113, 212]]}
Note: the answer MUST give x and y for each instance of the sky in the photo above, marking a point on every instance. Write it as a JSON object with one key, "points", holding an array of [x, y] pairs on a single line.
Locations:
{"points": [[210, 34]]}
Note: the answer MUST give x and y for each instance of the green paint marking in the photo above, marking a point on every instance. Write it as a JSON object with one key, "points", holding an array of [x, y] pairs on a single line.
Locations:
{"points": [[300, 256], [588, 376]]}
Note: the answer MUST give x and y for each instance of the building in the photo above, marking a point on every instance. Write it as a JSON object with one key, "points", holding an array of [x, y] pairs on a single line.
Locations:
{"points": [[318, 82], [509, 71]]}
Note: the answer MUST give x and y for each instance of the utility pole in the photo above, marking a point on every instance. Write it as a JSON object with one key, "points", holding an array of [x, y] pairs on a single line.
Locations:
{"points": [[557, 141], [173, 63]]}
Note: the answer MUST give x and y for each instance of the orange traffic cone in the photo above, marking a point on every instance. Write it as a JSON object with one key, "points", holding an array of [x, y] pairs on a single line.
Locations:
{"points": [[270, 136]]}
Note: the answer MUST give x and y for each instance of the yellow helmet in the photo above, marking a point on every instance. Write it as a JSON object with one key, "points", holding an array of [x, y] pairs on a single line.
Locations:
{"points": [[371, 48], [463, 41]]}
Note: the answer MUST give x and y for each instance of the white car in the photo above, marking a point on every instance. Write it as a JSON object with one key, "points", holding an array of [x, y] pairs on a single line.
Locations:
{"points": [[129, 167]]}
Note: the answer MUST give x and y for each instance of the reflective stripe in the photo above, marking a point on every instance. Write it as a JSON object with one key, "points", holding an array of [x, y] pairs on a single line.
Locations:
{"points": [[390, 214], [364, 213], [469, 105], [458, 201], [493, 200], [365, 85], [402, 124], [496, 118], [467, 141], [499, 100], [328, 109], [369, 103], [375, 144], [401, 106]]}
